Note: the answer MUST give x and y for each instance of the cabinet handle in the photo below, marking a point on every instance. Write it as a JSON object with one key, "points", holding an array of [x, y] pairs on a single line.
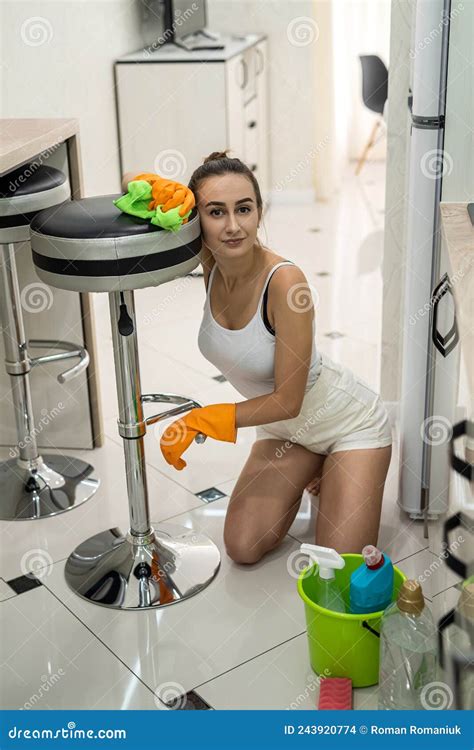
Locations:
{"points": [[252, 124], [260, 61], [444, 344], [245, 77], [462, 467]]}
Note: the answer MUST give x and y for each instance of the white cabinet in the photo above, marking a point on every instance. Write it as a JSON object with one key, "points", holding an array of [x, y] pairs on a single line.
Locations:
{"points": [[174, 108]]}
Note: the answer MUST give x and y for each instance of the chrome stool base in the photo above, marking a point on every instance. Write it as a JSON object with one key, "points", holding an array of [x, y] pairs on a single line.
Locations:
{"points": [[168, 565], [43, 487]]}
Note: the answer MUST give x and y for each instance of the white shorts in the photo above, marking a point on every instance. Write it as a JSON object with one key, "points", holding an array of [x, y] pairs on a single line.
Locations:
{"points": [[339, 413]]}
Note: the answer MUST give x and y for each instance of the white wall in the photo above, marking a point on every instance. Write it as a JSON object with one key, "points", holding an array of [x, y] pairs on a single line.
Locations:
{"points": [[58, 62], [291, 78]]}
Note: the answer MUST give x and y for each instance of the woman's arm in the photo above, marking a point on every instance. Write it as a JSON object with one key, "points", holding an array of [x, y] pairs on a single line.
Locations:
{"points": [[293, 312]]}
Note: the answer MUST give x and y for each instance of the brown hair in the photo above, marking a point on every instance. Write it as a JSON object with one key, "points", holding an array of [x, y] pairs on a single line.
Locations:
{"points": [[218, 163]]}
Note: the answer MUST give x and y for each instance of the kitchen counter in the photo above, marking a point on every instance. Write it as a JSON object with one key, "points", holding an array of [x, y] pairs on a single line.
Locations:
{"points": [[54, 142]]}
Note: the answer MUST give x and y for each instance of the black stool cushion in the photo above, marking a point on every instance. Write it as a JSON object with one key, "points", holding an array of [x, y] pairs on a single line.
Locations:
{"points": [[25, 191], [90, 245], [30, 178], [90, 219]]}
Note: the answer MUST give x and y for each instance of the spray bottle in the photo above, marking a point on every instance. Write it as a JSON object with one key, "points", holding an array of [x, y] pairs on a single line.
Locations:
{"points": [[327, 559]]}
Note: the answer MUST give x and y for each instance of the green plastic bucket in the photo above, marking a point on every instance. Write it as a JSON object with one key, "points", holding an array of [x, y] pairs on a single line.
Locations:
{"points": [[343, 645]]}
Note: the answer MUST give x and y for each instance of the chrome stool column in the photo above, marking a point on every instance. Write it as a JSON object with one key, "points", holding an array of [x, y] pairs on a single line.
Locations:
{"points": [[105, 250], [31, 485]]}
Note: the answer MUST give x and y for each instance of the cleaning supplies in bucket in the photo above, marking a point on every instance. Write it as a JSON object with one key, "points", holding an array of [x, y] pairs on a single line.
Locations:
{"points": [[327, 560], [371, 584], [342, 644], [408, 651]]}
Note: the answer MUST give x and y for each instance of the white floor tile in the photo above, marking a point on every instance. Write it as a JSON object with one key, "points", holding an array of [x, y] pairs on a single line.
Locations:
{"points": [[5, 591], [430, 571], [51, 661], [278, 679], [243, 612]]}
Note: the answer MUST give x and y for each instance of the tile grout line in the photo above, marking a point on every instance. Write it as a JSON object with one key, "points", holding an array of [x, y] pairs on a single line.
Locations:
{"points": [[96, 637], [252, 658]]}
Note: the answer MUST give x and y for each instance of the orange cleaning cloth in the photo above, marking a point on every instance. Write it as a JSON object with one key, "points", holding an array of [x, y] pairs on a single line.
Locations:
{"points": [[168, 193], [216, 421]]}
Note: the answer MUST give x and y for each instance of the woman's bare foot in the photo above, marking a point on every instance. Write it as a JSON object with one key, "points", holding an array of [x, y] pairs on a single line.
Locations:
{"points": [[313, 486]]}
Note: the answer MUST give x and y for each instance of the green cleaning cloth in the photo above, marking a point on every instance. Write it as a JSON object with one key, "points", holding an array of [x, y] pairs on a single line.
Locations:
{"points": [[136, 201]]}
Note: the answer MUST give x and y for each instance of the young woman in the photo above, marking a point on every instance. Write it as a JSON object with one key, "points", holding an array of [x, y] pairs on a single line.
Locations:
{"points": [[318, 424]]}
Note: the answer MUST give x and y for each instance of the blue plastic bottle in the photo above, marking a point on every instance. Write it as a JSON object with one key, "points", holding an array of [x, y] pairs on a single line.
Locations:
{"points": [[371, 583]]}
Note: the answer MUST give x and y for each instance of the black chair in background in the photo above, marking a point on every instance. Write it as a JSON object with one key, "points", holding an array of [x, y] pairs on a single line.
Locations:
{"points": [[374, 95]]}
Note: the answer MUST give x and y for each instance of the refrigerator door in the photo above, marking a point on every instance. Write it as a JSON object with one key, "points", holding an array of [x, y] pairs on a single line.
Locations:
{"points": [[420, 424]]}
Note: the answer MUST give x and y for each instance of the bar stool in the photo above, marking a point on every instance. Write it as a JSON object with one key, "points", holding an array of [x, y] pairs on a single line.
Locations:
{"points": [[31, 485], [89, 245]]}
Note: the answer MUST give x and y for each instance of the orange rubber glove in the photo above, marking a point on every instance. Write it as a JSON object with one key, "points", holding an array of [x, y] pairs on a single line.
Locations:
{"points": [[168, 193], [216, 421]]}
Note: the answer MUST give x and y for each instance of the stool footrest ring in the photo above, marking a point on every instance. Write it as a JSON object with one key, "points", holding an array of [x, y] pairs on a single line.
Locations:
{"points": [[71, 351], [185, 404]]}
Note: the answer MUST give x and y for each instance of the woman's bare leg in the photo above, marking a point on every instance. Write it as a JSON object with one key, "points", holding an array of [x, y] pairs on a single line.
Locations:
{"points": [[266, 497], [350, 501]]}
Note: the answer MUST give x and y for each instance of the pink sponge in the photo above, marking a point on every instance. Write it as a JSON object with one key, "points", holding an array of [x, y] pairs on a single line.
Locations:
{"points": [[335, 693]]}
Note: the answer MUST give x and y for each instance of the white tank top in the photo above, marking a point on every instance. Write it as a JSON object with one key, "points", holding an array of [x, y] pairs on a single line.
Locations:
{"points": [[246, 356]]}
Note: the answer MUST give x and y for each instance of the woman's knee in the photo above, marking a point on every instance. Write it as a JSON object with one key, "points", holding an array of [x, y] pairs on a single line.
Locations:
{"points": [[247, 548]]}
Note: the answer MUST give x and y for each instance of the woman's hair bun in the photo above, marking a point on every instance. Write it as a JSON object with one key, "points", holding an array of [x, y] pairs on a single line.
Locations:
{"points": [[216, 155]]}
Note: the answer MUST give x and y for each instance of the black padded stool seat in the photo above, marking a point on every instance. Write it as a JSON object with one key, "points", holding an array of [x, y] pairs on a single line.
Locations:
{"points": [[89, 245], [24, 192]]}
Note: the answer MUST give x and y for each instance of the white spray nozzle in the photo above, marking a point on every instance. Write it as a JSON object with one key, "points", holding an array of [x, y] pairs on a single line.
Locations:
{"points": [[326, 557]]}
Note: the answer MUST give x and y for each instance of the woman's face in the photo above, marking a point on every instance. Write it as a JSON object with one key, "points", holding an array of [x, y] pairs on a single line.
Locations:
{"points": [[228, 210]]}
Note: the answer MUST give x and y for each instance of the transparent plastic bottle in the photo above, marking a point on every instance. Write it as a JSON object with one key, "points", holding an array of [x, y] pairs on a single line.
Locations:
{"points": [[408, 651], [329, 595], [459, 655], [328, 560]]}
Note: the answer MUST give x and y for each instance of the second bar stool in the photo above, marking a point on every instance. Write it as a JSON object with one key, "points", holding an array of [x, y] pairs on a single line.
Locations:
{"points": [[31, 485]]}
